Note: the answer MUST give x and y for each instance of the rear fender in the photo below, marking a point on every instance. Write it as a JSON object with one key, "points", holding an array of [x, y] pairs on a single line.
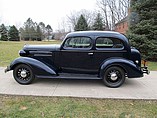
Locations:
{"points": [[128, 66], [38, 67]]}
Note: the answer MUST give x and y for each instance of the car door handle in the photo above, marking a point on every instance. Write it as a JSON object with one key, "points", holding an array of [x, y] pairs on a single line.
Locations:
{"points": [[90, 54]]}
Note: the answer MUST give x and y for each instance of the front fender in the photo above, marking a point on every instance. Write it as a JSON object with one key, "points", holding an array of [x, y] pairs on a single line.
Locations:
{"points": [[128, 66], [38, 67]]}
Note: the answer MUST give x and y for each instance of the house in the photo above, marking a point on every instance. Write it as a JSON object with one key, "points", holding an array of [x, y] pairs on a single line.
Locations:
{"points": [[60, 35], [122, 26]]}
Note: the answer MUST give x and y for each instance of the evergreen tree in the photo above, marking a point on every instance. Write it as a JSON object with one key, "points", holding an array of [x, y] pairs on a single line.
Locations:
{"points": [[28, 32], [143, 27], [3, 33], [49, 31], [43, 29], [98, 23], [39, 33], [33, 31], [13, 34], [81, 24]]}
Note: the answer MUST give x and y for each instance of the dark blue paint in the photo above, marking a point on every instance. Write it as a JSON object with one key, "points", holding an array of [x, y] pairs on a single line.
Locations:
{"points": [[50, 60], [38, 67]]}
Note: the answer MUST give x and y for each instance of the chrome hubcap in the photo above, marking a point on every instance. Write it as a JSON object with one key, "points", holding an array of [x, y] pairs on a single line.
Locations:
{"points": [[23, 73], [113, 76]]}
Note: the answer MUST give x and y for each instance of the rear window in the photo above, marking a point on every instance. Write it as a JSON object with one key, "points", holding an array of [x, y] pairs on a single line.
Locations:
{"points": [[105, 42]]}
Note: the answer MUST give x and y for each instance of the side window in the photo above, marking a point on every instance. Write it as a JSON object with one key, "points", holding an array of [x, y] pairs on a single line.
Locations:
{"points": [[108, 42], [78, 42]]}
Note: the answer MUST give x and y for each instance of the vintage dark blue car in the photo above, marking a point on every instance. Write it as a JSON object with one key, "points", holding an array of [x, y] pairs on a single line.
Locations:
{"points": [[103, 55]]}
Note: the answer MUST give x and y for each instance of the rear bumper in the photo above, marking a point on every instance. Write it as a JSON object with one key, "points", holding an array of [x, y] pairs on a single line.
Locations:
{"points": [[145, 70]]}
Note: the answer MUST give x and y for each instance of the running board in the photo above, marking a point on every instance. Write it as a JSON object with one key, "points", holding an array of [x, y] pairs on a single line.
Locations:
{"points": [[71, 76]]}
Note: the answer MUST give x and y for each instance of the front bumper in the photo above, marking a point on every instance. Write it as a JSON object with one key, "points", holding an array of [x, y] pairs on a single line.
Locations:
{"points": [[7, 69], [145, 70]]}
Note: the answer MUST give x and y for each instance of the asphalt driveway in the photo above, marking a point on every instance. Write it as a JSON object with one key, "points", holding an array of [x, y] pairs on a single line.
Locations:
{"points": [[136, 88]]}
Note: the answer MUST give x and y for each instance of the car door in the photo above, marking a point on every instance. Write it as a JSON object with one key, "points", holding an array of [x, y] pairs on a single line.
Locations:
{"points": [[76, 55], [107, 47]]}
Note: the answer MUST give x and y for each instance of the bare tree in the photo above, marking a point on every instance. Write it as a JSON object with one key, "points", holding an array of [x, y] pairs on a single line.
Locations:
{"points": [[102, 4], [72, 19], [63, 25], [74, 16], [113, 11]]}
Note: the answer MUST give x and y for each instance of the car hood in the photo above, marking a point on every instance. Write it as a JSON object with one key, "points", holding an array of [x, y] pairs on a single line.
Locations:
{"points": [[52, 47]]}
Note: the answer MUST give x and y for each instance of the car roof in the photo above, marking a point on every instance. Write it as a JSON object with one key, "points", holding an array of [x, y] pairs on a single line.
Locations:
{"points": [[98, 34], [92, 33]]}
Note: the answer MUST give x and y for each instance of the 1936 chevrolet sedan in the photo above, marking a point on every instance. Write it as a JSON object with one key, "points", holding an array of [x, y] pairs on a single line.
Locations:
{"points": [[103, 55]]}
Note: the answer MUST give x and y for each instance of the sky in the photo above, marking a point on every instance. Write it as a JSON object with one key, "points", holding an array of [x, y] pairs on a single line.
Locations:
{"points": [[53, 12]]}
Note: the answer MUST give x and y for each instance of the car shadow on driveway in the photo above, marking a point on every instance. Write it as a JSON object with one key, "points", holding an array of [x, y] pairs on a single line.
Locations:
{"points": [[69, 81], [82, 82]]}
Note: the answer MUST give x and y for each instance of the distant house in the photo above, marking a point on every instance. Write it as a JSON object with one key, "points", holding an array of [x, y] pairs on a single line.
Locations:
{"points": [[60, 35], [122, 26]]}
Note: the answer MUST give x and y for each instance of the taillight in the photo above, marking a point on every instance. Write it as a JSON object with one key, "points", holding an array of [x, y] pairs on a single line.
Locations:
{"points": [[144, 63]]}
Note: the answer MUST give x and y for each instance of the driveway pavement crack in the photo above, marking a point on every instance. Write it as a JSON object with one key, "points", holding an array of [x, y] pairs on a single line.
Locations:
{"points": [[56, 87]]}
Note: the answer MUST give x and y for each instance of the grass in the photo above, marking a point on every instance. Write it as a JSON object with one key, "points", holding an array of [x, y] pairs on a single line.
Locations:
{"points": [[9, 51], [152, 66], [61, 107]]}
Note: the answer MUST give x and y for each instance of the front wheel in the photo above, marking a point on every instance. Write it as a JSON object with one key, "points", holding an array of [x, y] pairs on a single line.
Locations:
{"points": [[114, 77], [23, 74]]}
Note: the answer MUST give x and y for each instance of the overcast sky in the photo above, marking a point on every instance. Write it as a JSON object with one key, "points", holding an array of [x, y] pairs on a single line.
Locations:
{"points": [[16, 12]]}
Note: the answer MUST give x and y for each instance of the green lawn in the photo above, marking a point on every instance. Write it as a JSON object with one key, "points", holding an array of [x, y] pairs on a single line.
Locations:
{"points": [[9, 51], [152, 66], [61, 107]]}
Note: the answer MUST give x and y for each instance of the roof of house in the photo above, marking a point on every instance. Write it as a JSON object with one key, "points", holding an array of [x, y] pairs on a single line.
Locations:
{"points": [[123, 20]]}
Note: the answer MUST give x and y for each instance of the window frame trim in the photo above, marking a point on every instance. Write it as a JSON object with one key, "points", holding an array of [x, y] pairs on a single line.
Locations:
{"points": [[108, 49], [91, 42]]}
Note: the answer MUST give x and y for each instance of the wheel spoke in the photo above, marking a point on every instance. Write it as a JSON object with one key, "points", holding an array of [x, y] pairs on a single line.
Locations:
{"points": [[23, 74]]}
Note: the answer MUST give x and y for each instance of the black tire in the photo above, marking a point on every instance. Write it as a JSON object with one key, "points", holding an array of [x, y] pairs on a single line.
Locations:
{"points": [[23, 74], [113, 77]]}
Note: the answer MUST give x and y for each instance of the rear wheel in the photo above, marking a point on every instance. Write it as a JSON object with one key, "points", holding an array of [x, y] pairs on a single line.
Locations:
{"points": [[23, 74], [114, 77]]}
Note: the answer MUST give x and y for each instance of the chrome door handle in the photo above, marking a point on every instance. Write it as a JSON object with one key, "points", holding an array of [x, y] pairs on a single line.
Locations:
{"points": [[90, 54]]}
